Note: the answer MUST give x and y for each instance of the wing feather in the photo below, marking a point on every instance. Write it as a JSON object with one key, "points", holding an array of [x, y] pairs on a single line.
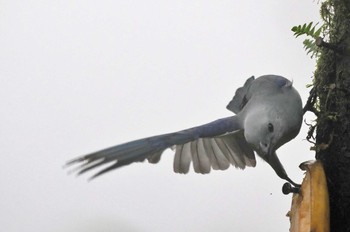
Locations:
{"points": [[201, 163], [214, 145], [182, 159]]}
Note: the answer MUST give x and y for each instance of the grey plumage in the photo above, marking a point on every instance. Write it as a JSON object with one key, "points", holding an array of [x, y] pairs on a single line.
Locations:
{"points": [[268, 114]]}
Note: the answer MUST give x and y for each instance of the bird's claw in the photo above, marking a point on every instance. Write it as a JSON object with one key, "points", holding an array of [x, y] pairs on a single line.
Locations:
{"points": [[288, 188]]}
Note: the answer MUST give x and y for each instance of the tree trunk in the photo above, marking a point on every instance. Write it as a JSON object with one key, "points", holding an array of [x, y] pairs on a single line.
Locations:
{"points": [[332, 87]]}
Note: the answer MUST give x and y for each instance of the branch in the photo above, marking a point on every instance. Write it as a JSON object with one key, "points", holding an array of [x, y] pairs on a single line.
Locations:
{"points": [[309, 106], [334, 47]]}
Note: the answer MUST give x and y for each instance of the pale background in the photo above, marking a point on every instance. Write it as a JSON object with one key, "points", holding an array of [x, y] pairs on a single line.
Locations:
{"points": [[78, 76]]}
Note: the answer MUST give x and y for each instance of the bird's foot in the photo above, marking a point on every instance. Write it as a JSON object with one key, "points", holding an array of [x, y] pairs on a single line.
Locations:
{"points": [[288, 188]]}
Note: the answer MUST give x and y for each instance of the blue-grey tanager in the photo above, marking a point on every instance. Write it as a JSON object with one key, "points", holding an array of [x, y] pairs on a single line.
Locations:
{"points": [[268, 114]]}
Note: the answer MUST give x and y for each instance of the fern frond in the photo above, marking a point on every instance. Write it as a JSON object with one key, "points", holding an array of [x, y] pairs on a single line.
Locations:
{"points": [[310, 47], [307, 29]]}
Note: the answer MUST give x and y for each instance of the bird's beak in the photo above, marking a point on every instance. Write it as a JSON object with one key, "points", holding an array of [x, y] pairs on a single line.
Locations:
{"points": [[270, 150], [267, 150]]}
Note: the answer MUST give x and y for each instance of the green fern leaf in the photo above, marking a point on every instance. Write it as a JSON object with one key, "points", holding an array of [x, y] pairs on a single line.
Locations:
{"points": [[310, 47], [307, 29]]}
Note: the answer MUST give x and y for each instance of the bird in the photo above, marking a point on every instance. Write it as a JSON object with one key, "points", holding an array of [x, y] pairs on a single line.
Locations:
{"points": [[267, 111]]}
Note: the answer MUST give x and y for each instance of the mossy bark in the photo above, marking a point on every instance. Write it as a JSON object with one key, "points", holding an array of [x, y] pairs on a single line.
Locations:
{"points": [[332, 86]]}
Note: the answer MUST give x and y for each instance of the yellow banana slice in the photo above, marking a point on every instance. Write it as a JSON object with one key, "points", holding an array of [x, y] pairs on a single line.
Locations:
{"points": [[310, 207]]}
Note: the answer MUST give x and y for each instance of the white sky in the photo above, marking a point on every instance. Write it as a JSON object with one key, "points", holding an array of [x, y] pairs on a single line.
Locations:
{"points": [[78, 76]]}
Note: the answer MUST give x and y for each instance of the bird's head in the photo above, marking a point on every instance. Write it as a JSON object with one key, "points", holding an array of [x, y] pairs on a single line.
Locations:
{"points": [[273, 125]]}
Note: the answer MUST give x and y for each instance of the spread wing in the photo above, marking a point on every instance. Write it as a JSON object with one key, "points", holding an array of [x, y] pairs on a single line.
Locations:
{"points": [[214, 145]]}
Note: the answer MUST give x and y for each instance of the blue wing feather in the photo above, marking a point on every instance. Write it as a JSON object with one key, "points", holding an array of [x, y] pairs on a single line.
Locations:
{"points": [[141, 149]]}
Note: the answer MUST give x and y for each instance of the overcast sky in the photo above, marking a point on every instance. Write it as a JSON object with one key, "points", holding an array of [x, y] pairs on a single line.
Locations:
{"points": [[79, 76]]}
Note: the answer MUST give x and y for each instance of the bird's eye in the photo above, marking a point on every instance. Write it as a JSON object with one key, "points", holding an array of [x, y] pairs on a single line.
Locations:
{"points": [[270, 127]]}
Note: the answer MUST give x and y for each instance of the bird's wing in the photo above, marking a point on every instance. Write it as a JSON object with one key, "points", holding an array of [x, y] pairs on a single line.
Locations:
{"points": [[216, 145], [214, 153], [241, 97]]}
